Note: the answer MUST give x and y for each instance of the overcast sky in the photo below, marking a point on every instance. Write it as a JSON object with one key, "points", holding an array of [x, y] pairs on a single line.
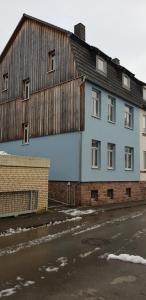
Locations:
{"points": [[117, 27]]}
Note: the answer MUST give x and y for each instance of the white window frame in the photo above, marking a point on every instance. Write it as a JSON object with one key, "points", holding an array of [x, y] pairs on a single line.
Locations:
{"points": [[25, 133], [26, 91], [110, 156], [111, 109], [124, 84], [144, 123], [5, 82], [144, 160], [51, 61], [95, 154], [128, 116], [101, 62], [96, 103], [144, 93], [129, 158]]}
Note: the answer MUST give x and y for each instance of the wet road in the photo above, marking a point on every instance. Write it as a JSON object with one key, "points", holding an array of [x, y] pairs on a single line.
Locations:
{"points": [[69, 260]]}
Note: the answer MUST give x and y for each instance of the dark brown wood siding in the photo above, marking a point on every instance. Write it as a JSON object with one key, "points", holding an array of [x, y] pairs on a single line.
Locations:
{"points": [[28, 58], [50, 111]]}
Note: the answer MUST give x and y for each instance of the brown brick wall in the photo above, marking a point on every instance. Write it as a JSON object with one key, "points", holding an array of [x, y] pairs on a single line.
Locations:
{"points": [[81, 193], [25, 175]]}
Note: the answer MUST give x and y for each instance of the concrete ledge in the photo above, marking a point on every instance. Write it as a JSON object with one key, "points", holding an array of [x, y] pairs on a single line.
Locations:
{"points": [[23, 161]]}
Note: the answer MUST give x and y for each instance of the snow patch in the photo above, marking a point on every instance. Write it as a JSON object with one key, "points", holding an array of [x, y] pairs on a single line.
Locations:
{"points": [[12, 231], [128, 258], [28, 283], [84, 255], [3, 153], [52, 269], [77, 212], [8, 292], [68, 220], [63, 261], [88, 229]]}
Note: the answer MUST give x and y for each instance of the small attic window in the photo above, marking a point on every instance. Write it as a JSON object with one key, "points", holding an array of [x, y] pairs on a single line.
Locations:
{"points": [[126, 81], [101, 65], [144, 93]]}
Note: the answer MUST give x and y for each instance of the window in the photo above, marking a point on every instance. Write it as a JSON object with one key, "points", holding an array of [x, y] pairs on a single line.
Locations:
{"points": [[110, 193], [128, 117], [25, 133], [95, 154], [144, 123], [96, 103], [110, 156], [26, 89], [144, 160], [51, 61], [5, 82], [128, 192], [126, 81], [129, 153], [111, 109], [144, 93], [101, 65], [94, 195]]}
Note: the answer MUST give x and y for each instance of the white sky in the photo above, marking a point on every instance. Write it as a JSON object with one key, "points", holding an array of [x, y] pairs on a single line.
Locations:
{"points": [[117, 27]]}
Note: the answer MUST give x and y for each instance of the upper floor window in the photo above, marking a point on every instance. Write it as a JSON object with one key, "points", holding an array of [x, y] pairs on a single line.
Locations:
{"points": [[96, 103], [144, 160], [144, 93], [129, 158], [144, 123], [101, 65], [51, 61], [126, 81], [26, 89], [110, 156], [5, 82], [95, 154], [25, 127], [111, 109], [128, 117]]}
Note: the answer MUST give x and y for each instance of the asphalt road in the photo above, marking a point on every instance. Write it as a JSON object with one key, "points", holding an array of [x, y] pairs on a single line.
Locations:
{"points": [[68, 261]]}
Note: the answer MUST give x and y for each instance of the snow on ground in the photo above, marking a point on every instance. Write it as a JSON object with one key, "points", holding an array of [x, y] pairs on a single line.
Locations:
{"points": [[10, 291], [77, 212], [12, 231], [63, 261], [35, 242], [3, 153], [84, 255], [128, 258], [52, 269], [68, 220]]}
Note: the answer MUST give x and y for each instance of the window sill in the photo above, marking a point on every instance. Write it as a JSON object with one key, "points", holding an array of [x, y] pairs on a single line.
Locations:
{"points": [[51, 71], [24, 144], [96, 117], [101, 72], [111, 122], [4, 90], [128, 169], [25, 99], [111, 169], [95, 168], [131, 128], [126, 88]]}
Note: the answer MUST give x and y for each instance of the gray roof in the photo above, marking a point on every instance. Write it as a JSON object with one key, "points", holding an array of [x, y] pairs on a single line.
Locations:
{"points": [[85, 56]]}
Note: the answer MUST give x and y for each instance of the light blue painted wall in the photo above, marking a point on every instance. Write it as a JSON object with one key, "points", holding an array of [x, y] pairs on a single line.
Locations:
{"points": [[63, 150], [102, 130]]}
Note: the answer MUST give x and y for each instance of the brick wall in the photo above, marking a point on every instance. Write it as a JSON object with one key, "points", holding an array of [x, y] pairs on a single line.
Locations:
{"points": [[24, 174], [80, 194]]}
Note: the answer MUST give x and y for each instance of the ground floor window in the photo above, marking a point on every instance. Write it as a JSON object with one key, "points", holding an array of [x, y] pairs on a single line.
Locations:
{"points": [[128, 192], [94, 195], [110, 193]]}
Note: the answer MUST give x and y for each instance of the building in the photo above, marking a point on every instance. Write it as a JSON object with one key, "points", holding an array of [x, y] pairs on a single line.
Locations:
{"points": [[66, 100]]}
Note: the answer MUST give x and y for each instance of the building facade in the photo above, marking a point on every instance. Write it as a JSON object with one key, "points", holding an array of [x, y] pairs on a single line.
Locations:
{"points": [[63, 99]]}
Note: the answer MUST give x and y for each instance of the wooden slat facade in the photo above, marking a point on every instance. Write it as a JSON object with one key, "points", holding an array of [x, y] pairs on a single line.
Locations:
{"points": [[56, 97], [51, 111]]}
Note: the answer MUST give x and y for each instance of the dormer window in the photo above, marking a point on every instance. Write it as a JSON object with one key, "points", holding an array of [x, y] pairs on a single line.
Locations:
{"points": [[126, 81], [5, 82], [144, 93], [51, 61], [101, 65]]}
